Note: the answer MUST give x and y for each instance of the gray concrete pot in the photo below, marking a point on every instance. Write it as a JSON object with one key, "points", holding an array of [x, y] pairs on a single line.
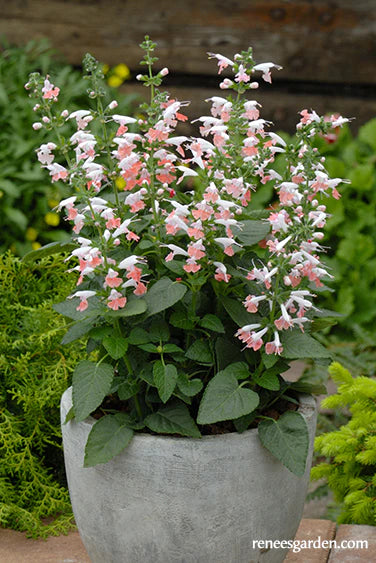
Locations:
{"points": [[183, 500]]}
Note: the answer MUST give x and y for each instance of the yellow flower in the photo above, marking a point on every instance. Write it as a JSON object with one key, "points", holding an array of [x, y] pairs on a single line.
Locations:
{"points": [[52, 219], [36, 245], [105, 69], [31, 234], [122, 71], [120, 183], [114, 81]]}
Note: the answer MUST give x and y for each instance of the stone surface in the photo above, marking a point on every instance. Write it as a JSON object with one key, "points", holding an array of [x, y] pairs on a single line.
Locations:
{"points": [[178, 499], [15, 547]]}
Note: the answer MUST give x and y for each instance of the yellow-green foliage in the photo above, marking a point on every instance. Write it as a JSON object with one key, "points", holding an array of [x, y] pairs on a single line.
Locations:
{"points": [[34, 371], [351, 451]]}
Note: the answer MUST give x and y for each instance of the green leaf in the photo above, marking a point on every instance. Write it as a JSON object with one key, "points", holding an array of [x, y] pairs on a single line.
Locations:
{"points": [[362, 177], [227, 352], [116, 346], [163, 294], [367, 133], [171, 348], [252, 232], [212, 323], [68, 308], [239, 369], [138, 336], [310, 388], [287, 439], [269, 381], [242, 424], [238, 313], [180, 320], [69, 415], [159, 331], [16, 216], [174, 419], [49, 250], [297, 344], [189, 387], [133, 307], [225, 399], [77, 330], [165, 377], [100, 332], [91, 383], [107, 438], [200, 352], [128, 389]]}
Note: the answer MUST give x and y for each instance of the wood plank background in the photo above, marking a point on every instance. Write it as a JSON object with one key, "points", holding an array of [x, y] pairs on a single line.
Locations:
{"points": [[327, 47]]}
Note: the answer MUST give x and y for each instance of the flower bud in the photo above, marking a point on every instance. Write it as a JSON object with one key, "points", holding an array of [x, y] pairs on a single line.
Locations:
{"points": [[160, 191], [64, 113], [164, 71], [254, 85], [45, 119], [36, 107], [139, 77], [37, 125], [113, 104], [227, 83]]}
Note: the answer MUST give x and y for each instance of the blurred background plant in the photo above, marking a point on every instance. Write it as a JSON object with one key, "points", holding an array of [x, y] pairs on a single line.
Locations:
{"points": [[27, 199], [348, 453]]}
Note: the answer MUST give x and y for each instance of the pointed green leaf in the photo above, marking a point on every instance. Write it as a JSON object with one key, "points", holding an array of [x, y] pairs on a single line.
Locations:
{"points": [[116, 346], [212, 323], [48, 250], [225, 399], [287, 439], [76, 331], [165, 377], [159, 331], [252, 232], [135, 306], [238, 313], [138, 336], [174, 419], [189, 387], [128, 389], [297, 344], [200, 352], [107, 438], [163, 294], [180, 320], [91, 383], [269, 380]]}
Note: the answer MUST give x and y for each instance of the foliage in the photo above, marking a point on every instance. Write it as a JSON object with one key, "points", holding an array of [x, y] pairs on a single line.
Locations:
{"points": [[194, 321], [350, 469], [27, 202], [34, 371]]}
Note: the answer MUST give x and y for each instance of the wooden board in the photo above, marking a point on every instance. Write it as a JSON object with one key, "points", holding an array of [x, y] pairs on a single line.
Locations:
{"points": [[325, 41]]}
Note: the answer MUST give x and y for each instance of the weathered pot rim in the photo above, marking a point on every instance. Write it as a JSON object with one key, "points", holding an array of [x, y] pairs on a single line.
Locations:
{"points": [[307, 408]]}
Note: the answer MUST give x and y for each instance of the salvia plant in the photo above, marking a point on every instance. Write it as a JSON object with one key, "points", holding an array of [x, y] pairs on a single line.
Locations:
{"points": [[192, 303]]}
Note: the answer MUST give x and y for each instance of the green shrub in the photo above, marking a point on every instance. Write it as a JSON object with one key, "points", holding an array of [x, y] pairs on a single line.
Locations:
{"points": [[350, 469], [34, 371], [27, 200]]}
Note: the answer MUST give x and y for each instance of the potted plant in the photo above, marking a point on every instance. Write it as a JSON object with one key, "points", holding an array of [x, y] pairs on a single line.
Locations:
{"points": [[182, 439]]}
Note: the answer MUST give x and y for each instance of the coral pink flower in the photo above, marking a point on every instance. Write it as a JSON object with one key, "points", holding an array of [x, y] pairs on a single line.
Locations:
{"points": [[116, 300], [112, 279]]}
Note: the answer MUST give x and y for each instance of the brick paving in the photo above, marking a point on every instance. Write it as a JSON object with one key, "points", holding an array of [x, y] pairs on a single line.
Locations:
{"points": [[16, 548]]}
